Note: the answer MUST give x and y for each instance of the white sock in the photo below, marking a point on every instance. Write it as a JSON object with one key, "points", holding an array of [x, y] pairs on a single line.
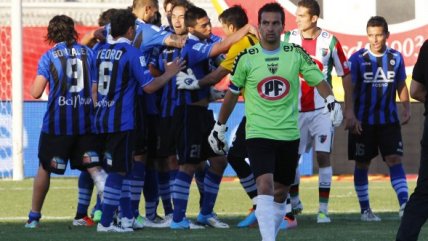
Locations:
{"points": [[324, 181], [264, 213], [288, 204], [279, 215], [99, 178], [254, 200]]}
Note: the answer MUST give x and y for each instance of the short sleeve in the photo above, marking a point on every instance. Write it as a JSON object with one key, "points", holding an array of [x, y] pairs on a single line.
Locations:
{"points": [[43, 67]]}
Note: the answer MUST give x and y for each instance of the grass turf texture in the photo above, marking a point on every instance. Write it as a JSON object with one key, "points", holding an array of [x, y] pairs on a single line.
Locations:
{"points": [[232, 205]]}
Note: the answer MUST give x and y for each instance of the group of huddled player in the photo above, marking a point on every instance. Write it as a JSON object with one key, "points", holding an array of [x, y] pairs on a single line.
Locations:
{"points": [[131, 113]]}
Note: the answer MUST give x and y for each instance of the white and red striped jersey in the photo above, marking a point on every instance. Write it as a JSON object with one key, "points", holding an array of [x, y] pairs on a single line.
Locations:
{"points": [[327, 52]]}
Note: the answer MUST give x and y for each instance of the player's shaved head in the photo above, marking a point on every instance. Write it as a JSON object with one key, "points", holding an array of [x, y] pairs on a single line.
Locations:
{"points": [[61, 29], [143, 3]]}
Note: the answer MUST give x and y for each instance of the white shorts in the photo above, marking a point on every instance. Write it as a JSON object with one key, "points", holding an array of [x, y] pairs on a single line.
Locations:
{"points": [[315, 129]]}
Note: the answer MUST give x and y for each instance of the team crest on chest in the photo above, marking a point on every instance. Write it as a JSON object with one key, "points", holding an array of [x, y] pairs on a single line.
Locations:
{"points": [[324, 52], [273, 67], [273, 88]]}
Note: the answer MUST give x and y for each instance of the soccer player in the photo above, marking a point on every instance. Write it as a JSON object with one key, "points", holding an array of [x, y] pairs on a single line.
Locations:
{"points": [[315, 126], [378, 73], [121, 69], [85, 182], [416, 213], [66, 131], [269, 73], [232, 19], [193, 121]]}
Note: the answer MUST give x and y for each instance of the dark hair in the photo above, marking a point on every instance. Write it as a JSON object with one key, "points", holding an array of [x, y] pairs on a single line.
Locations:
{"points": [[157, 20], [272, 8], [311, 5], [192, 15], [174, 3], [61, 29], [121, 20], [182, 3], [235, 16], [378, 21], [105, 16]]}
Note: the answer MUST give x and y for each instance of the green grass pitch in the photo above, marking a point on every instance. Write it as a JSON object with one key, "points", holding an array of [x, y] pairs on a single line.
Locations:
{"points": [[232, 205]]}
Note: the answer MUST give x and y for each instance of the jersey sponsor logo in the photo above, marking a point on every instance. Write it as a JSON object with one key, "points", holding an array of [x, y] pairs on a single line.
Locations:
{"points": [[323, 138], [74, 101], [143, 61], [273, 67], [197, 46], [273, 88], [379, 78], [253, 51], [271, 59]]}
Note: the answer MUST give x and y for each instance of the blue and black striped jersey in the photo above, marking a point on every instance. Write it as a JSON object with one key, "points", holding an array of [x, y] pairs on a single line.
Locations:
{"points": [[69, 71], [121, 70], [197, 56], [375, 80]]}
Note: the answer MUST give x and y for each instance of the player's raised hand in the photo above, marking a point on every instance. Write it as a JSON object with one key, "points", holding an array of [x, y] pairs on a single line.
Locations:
{"points": [[217, 139], [175, 66], [187, 81], [335, 109]]}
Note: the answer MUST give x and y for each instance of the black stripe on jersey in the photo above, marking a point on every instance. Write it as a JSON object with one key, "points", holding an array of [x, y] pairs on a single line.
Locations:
{"points": [[170, 88], [63, 92], [87, 88], [55, 89], [389, 98], [377, 106], [368, 92], [251, 40], [235, 62], [117, 118], [110, 94], [74, 111], [182, 93], [138, 40], [299, 49]]}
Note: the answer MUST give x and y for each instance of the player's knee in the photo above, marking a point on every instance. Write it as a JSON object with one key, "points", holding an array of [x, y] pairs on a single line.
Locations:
{"points": [[57, 165], [393, 160], [91, 159], [323, 159]]}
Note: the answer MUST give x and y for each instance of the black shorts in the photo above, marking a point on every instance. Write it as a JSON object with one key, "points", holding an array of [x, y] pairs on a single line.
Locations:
{"points": [[238, 148], [193, 125], [272, 156], [165, 140], [118, 151], [55, 151], [385, 138], [151, 135], [140, 146]]}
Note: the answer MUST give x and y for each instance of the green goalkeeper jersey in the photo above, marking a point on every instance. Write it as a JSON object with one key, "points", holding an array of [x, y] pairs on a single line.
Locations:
{"points": [[271, 83]]}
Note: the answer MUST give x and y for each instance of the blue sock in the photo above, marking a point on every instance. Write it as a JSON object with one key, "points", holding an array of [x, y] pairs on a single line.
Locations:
{"points": [[34, 216], [211, 187], [199, 178], [85, 185], [112, 191], [399, 183], [361, 184], [165, 192], [151, 192], [180, 195], [125, 198], [172, 175], [137, 184]]}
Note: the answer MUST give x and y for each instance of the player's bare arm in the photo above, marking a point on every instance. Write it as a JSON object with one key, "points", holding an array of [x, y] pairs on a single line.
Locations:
{"points": [[350, 119], [418, 91], [38, 86], [171, 69], [224, 45], [95, 93], [176, 41], [403, 94]]}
